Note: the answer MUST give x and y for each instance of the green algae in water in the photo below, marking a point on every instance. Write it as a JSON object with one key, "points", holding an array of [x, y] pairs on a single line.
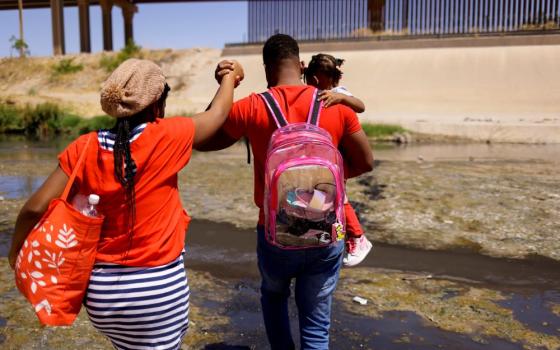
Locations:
{"points": [[471, 311]]}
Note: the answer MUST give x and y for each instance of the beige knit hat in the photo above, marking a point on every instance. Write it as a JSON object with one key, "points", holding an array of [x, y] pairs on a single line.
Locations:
{"points": [[132, 87]]}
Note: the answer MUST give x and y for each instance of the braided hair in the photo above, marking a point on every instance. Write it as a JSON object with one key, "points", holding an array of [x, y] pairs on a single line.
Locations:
{"points": [[125, 167], [326, 64]]}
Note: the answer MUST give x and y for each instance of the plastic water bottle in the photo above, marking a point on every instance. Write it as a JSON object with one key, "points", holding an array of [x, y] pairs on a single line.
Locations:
{"points": [[90, 209]]}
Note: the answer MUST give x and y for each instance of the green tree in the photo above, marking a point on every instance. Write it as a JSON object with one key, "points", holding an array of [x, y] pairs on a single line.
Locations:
{"points": [[19, 45]]}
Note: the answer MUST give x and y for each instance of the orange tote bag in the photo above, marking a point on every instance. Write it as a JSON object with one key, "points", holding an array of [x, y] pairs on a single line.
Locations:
{"points": [[55, 262]]}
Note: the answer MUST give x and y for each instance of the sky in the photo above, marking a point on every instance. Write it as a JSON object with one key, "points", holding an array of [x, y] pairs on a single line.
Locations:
{"points": [[156, 26]]}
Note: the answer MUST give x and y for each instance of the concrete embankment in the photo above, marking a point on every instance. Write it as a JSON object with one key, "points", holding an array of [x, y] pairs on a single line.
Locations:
{"points": [[499, 90]]}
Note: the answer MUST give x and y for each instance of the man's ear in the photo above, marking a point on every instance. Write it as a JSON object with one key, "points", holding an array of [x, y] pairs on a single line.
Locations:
{"points": [[301, 67]]}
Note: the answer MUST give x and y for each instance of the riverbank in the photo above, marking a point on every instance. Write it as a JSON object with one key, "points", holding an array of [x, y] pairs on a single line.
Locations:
{"points": [[485, 94], [48, 121]]}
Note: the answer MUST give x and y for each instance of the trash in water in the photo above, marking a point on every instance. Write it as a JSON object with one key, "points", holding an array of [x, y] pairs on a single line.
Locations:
{"points": [[359, 300], [414, 278]]}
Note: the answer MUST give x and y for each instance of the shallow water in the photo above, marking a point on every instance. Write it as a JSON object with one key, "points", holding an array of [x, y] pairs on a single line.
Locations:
{"points": [[469, 151], [21, 149], [531, 287], [227, 253], [15, 187]]}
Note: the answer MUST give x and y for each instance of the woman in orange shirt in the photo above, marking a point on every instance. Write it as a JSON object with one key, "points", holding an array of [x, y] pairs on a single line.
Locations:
{"points": [[138, 295]]}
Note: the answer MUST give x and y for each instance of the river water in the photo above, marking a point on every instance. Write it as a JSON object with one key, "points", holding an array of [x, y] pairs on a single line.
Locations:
{"points": [[516, 301]]}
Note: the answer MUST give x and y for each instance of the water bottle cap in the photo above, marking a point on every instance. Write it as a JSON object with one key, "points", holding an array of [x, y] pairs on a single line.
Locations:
{"points": [[93, 199]]}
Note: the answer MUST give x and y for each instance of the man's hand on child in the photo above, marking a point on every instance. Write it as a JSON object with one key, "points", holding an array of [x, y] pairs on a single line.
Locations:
{"points": [[330, 98], [229, 66]]}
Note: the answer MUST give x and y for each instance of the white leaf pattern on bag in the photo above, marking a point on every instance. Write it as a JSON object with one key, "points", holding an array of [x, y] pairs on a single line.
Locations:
{"points": [[66, 238], [43, 305], [36, 274], [51, 259]]}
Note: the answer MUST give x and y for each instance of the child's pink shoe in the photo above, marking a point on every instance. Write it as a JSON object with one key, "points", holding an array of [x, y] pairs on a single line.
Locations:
{"points": [[356, 250]]}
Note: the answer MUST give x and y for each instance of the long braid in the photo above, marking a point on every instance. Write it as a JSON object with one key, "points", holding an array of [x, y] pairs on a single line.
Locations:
{"points": [[125, 168], [124, 164]]}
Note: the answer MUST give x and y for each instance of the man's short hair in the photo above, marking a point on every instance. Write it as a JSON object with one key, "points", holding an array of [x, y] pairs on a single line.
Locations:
{"points": [[279, 47]]}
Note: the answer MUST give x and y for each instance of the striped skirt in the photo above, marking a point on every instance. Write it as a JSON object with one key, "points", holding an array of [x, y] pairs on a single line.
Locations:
{"points": [[140, 308]]}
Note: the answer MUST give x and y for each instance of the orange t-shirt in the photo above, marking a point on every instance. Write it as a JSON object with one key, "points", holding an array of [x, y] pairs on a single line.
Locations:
{"points": [[162, 149], [250, 117]]}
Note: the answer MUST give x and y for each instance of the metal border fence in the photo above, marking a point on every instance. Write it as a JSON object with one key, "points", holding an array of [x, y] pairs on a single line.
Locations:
{"points": [[343, 19]]}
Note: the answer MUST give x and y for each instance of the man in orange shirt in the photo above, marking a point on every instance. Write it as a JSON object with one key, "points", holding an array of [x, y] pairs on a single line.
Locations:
{"points": [[315, 270]]}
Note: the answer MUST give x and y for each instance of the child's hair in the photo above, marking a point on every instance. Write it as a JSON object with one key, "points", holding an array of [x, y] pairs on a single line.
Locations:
{"points": [[326, 64]]}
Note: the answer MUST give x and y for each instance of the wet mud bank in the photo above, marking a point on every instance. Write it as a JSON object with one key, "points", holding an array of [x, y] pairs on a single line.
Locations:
{"points": [[211, 245]]}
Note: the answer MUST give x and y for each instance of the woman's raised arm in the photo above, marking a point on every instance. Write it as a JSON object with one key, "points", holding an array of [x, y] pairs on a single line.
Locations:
{"points": [[207, 123]]}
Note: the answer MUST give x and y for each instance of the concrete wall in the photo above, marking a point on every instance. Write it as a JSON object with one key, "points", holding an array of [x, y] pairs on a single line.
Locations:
{"points": [[496, 93]]}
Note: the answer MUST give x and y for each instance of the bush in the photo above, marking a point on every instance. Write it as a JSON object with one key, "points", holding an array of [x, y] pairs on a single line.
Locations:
{"points": [[381, 130], [42, 120], [66, 66], [47, 119], [69, 121], [110, 63], [96, 123], [10, 119]]}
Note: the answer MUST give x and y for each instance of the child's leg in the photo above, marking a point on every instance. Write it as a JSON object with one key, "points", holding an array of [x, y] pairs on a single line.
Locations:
{"points": [[357, 244], [353, 227]]}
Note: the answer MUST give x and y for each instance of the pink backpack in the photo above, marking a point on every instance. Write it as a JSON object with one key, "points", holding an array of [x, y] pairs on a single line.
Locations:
{"points": [[304, 182]]}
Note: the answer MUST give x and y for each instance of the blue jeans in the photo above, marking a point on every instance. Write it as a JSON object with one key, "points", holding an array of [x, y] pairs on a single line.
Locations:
{"points": [[316, 273]]}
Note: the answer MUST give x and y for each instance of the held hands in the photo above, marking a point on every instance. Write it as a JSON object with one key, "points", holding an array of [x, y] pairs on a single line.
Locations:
{"points": [[330, 98], [229, 66]]}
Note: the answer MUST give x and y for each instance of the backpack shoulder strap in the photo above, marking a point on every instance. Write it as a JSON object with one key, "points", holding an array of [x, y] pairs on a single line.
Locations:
{"points": [[315, 109], [274, 109]]}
